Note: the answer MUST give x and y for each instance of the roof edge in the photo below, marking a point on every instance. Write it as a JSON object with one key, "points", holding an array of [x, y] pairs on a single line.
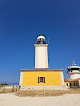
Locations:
{"points": [[33, 70]]}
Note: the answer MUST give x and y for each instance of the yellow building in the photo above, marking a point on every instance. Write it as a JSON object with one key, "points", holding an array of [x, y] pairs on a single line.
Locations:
{"points": [[72, 83], [41, 78]]}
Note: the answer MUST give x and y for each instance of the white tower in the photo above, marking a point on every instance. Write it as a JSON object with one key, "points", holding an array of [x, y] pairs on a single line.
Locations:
{"points": [[41, 52], [73, 71]]}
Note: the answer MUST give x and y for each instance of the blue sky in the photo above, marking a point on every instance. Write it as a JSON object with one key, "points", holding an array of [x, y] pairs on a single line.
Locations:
{"points": [[20, 23]]}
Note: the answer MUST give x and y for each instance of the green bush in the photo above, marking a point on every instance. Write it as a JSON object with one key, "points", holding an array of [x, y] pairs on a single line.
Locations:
{"points": [[4, 84]]}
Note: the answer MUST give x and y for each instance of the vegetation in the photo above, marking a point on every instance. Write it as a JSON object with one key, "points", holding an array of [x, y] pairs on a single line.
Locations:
{"points": [[3, 84]]}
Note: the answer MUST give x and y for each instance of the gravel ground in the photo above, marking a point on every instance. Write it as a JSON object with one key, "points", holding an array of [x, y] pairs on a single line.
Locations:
{"points": [[64, 100]]}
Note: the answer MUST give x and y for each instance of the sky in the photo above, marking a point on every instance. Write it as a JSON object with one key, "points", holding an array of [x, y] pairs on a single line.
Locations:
{"points": [[21, 21]]}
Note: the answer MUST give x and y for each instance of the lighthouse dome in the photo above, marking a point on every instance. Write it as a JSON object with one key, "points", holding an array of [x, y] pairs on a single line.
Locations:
{"points": [[41, 39]]}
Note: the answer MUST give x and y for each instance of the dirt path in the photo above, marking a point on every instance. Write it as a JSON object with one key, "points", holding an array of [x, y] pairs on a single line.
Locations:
{"points": [[64, 100]]}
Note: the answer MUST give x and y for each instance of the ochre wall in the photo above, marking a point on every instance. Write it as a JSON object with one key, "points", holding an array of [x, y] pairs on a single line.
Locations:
{"points": [[51, 78]]}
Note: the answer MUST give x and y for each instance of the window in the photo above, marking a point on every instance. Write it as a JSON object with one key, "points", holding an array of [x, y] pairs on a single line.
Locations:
{"points": [[74, 84], [70, 84], [41, 79], [75, 68], [67, 84]]}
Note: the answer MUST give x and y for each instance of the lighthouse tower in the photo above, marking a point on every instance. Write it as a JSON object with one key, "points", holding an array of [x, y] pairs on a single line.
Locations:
{"points": [[41, 52], [73, 71]]}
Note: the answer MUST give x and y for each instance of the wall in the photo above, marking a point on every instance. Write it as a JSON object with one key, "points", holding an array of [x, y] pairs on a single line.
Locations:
{"points": [[66, 84], [74, 76], [51, 78], [77, 83], [41, 56]]}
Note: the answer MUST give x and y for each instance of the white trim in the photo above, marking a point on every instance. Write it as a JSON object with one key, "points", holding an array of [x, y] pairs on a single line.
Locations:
{"points": [[43, 87], [21, 78], [73, 67], [62, 77]]}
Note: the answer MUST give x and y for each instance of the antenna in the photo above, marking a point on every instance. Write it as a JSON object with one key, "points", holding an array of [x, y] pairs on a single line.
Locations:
{"points": [[73, 64]]}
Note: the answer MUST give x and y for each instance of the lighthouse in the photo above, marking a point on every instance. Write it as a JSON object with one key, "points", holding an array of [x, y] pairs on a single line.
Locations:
{"points": [[41, 52], [41, 77]]}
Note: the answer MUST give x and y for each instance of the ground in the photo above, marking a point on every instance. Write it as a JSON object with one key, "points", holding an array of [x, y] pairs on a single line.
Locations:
{"points": [[9, 99], [23, 93], [52, 98]]}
